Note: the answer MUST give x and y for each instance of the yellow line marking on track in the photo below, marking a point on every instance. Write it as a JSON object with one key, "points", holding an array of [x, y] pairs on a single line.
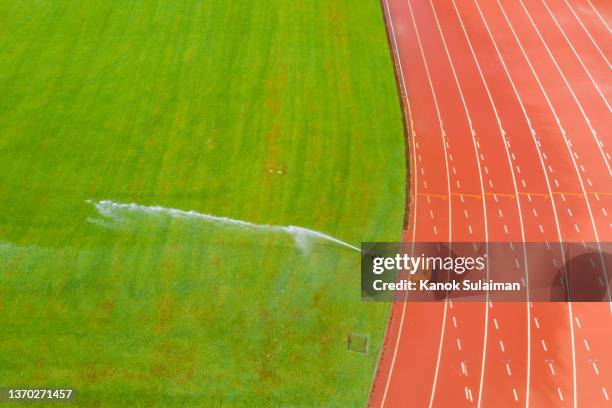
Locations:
{"points": [[512, 196]]}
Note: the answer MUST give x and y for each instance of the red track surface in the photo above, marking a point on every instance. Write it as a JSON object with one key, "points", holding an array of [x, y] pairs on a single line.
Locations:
{"points": [[507, 106]]}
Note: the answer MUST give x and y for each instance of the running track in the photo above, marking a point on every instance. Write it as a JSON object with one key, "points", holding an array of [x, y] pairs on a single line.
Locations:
{"points": [[507, 107]]}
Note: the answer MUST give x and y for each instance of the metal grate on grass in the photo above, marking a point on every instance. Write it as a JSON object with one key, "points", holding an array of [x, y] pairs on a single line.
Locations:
{"points": [[358, 343]]}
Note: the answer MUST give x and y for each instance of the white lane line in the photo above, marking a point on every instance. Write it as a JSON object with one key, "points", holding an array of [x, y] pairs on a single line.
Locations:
{"points": [[586, 345], [605, 393], [576, 55], [415, 201], [569, 87], [515, 394], [552, 369], [518, 201], [439, 116], [600, 17], [588, 33]]}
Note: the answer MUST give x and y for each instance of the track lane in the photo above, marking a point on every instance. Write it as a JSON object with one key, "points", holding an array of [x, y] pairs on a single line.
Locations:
{"points": [[432, 181], [466, 177], [418, 327], [581, 48], [603, 11], [600, 41]]}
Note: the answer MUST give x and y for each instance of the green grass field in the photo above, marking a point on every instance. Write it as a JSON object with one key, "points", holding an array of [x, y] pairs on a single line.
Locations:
{"points": [[273, 112]]}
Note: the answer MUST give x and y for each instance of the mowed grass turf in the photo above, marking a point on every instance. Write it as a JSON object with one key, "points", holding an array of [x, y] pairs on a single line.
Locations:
{"points": [[274, 112]]}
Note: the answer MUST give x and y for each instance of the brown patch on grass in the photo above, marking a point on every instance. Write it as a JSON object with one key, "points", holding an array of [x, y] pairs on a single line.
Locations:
{"points": [[165, 306], [90, 373], [273, 166], [266, 371], [275, 89], [108, 306]]}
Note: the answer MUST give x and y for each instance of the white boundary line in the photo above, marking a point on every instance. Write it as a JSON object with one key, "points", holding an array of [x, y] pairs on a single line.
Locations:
{"points": [[415, 196], [484, 206], [443, 134], [415, 186]]}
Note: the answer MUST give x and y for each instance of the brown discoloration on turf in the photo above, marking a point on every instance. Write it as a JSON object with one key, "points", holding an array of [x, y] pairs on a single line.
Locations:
{"points": [[91, 373], [165, 312], [274, 167], [275, 90], [108, 306]]}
